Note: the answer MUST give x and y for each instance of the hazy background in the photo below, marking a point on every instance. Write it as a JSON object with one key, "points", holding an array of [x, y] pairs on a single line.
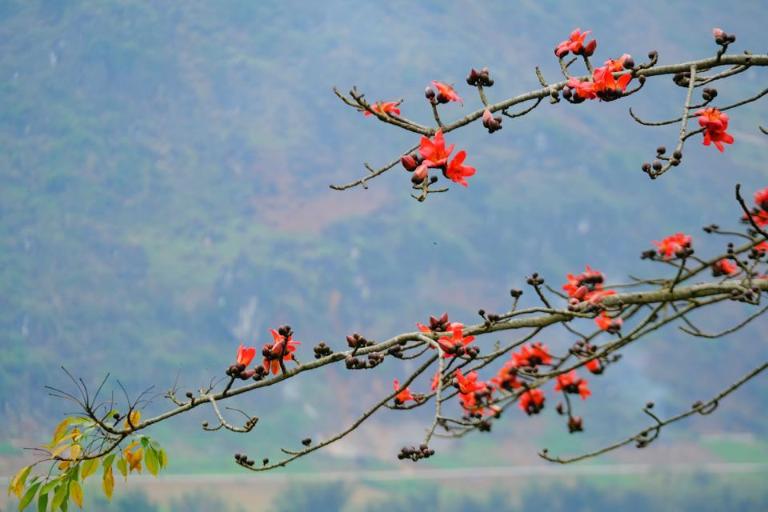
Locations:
{"points": [[165, 170]]}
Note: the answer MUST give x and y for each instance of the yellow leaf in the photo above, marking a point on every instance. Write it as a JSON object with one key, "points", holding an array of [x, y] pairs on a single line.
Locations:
{"points": [[76, 493], [122, 467], [61, 429], [135, 419], [163, 458], [75, 451], [108, 482], [63, 465], [59, 450], [17, 482], [88, 468]]}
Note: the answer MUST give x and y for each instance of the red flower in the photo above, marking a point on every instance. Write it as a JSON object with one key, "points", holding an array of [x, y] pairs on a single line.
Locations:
{"points": [[606, 323], [456, 172], [446, 93], [384, 108], [433, 151], [587, 286], [531, 356], [594, 366], [669, 247], [282, 348], [403, 395], [571, 383], [468, 383], [507, 377], [532, 401], [582, 89], [606, 85], [575, 44], [245, 355], [762, 247], [724, 267], [714, 123], [761, 199], [455, 343]]}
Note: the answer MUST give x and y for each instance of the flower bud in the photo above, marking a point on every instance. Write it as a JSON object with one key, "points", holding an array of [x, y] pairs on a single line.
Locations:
{"points": [[409, 162]]}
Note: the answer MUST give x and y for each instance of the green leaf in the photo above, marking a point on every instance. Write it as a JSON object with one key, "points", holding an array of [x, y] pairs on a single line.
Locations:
{"points": [[163, 458], [42, 502], [50, 485], [60, 495], [150, 459], [29, 496]]}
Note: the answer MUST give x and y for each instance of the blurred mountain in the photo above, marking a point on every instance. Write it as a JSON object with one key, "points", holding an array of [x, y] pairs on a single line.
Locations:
{"points": [[165, 170]]}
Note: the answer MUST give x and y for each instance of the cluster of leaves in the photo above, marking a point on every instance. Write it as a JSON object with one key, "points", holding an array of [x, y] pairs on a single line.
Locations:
{"points": [[72, 462]]}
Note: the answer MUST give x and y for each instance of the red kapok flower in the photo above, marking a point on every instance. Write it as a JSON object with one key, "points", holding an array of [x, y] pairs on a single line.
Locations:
{"points": [[575, 44], [433, 150], [594, 366], [456, 172], [532, 401], [606, 323], [446, 93], [605, 84], [384, 108], [582, 89], [282, 348], [580, 285], [507, 377], [714, 123], [245, 355], [468, 383], [531, 355], [724, 267], [669, 247], [573, 384], [455, 342], [403, 395], [761, 199], [761, 247]]}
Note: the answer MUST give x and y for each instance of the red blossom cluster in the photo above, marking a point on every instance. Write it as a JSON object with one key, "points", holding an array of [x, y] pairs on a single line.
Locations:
{"points": [[433, 154], [281, 349], [573, 384], [576, 44], [674, 246], [603, 85], [474, 394], [587, 286], [759, 212], [714, 123]]}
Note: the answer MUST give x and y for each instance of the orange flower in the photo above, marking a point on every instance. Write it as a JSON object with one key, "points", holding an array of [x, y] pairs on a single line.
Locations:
{"points": [[433, 150], [446, 93], [715, 124], [457, 172], [403, 395], [384, 108], [245, 355]]}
